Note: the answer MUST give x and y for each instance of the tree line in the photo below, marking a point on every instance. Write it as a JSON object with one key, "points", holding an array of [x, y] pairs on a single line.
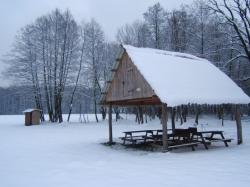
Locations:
{"points": [[61, 60], [215, 30], [15, 99], [55, 53]]}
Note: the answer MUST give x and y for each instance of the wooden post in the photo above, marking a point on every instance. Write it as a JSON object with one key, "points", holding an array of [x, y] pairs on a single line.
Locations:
{"points": [[164, 117], [238, 123], [222, 115], [110, 125], [173, 118]]}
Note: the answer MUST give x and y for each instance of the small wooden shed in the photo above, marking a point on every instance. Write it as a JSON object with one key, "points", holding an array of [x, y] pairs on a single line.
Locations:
{"points": [[32, 117], [144, 76]]}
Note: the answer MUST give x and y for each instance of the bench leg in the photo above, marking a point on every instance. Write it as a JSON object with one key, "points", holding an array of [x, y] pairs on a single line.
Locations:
{"points": [[146, 136], [204, 142], [133, 141], [124, 140], [225, 142], [193, 149], [205, 145], [192, 137]]}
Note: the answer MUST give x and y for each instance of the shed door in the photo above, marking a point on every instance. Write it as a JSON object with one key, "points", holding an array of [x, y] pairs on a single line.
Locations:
{"points": [[28, 118]]}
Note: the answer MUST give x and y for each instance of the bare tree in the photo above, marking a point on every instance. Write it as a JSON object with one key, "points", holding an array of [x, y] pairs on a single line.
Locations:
{"points": [[155, 17], [78, 74], [178, 24], [59, 46], [94, 55], [23, 61], [136, 34], [234, 11], [44, 55]]}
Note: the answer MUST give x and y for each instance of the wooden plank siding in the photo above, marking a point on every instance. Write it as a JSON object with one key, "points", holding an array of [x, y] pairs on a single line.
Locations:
{"points": [[128, 84]]}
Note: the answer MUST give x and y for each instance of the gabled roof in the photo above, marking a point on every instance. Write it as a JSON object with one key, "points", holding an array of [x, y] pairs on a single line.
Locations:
{"points": [[179, 78]]}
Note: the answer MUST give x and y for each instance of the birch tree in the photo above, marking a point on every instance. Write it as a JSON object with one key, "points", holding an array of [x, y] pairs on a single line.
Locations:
{"points": [[237, 14], [136, 34], [44, 55], [78, 76], [24, 66], [94, 55], [155, 18], [178, 30]]}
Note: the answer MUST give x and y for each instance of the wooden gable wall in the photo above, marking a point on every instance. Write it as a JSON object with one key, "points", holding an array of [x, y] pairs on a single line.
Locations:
{"points": [[128, 83]]}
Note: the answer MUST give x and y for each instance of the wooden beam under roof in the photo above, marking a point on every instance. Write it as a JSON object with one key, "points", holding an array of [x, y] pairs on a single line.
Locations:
{"points": [[133, 102]]}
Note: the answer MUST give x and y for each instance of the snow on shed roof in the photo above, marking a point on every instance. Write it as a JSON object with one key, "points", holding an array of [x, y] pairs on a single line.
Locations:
{"points": [[179, 78], [30, 110]]}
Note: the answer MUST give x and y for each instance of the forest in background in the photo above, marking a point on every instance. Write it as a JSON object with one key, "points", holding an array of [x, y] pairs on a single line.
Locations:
{"points": [[61, 66]]}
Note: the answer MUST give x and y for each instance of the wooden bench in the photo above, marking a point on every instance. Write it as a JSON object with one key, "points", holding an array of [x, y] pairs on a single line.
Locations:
{"points": [[182, 138], [219, 140], [191, 144], [130, 137], [182, 135], [133, 139]]}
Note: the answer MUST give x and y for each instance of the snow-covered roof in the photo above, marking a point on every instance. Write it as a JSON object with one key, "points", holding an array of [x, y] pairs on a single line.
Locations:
{"points": [[30, 110], [179, 78]]}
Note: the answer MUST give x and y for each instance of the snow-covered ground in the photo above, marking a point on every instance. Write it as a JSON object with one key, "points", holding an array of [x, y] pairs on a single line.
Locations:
{"points": [[71, 154]]}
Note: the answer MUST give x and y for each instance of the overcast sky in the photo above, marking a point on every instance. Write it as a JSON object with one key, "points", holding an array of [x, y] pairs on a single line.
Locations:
{"points": [[111, 14]]}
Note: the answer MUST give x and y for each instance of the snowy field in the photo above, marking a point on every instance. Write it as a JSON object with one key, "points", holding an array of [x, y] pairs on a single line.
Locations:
{"points": [[71, 155]]}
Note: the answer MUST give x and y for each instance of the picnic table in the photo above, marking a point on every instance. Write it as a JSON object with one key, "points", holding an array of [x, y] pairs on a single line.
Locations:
{"points": [[135, 136], [207, 137], [140, 136], [177, 138]]}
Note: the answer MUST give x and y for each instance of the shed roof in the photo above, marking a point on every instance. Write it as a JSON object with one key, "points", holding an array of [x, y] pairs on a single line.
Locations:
{"points": [[31, 110], [179, 78]]}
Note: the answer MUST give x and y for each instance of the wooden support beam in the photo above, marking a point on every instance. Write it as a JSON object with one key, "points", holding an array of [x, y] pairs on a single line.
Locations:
{"points": [[238, 124], [164, 118], [173, 118], [136, 102], [110, 125]]}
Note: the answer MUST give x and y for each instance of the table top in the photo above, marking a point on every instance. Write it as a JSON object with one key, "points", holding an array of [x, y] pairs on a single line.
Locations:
{"points": [[126, 132], [159, 130], [211, 131]]}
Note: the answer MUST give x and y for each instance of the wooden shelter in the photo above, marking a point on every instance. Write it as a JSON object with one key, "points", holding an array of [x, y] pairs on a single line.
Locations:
{"points": [[32, 117], [143, 76]]}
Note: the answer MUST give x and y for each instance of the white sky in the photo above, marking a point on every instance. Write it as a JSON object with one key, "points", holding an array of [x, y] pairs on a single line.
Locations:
{"points": [[111, 14]]}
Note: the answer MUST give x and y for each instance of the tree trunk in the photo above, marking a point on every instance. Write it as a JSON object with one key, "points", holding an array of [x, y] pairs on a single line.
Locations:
{"points": [[59, 110], [104, 112], [197, 115]]}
